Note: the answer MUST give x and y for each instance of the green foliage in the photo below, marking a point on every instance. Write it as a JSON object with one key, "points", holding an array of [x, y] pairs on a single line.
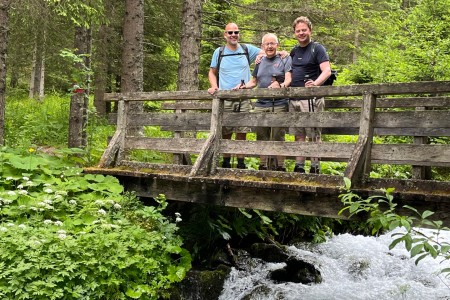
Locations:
{"points": [[66, 235], [382, 216], [29, 122]]}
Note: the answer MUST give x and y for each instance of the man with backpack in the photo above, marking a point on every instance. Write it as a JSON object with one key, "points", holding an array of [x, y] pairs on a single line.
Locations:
{"points": [[230, 66], [310, 68]]}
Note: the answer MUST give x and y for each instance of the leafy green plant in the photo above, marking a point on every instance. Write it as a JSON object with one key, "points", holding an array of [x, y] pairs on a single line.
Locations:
{"points": [[382, 217], [69, 235]]}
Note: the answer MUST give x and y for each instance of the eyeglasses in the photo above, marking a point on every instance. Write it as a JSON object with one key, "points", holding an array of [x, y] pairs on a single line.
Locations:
{"points": [[271, 44], [231, 32]]}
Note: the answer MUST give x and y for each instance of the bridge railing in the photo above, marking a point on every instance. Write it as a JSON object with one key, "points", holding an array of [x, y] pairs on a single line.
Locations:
{"points": [[419, 110]]}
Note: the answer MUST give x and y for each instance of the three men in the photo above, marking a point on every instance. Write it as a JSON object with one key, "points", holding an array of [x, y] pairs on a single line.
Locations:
{"points": [[230, 68]]}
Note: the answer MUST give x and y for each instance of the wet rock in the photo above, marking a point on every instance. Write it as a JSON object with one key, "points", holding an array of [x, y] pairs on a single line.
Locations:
{"points": [[298, 271], [268, 252], [259, 292], [205, 285]]}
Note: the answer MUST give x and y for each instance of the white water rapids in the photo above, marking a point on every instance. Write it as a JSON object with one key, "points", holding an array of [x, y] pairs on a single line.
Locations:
{"points": [[352, 267]]}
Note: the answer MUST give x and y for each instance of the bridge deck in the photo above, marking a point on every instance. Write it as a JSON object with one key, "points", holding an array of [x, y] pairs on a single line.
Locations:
{"points": [[305, 194]]}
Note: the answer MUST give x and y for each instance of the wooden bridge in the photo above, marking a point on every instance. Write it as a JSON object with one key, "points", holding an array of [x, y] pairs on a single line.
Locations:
{"points": [[418, 111]]}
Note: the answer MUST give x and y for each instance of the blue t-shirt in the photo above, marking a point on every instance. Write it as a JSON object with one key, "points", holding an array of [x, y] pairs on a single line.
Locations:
{"points": [[268, 68], [305, 65], [234, 68]]}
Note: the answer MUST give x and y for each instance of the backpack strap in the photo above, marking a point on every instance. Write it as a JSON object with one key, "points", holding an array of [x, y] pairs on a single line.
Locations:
{"points": [[221, 55]]}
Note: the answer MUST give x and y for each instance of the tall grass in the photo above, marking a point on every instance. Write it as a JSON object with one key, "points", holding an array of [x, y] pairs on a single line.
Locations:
{"points": [[44, 125]]}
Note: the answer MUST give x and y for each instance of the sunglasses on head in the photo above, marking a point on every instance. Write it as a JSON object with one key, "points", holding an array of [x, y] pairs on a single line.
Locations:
{"points": [[231, 32]]}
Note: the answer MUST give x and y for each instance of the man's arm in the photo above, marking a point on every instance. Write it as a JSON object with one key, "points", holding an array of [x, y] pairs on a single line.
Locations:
{"points": [[212, 76], [325, 67], [287, 79]]}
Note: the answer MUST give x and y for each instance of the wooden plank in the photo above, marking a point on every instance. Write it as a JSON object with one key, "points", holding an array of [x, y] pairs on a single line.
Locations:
{"points": [[410, 154], [187, 105], [290, 149], [358, 167], [200, 121], [406, 102]]}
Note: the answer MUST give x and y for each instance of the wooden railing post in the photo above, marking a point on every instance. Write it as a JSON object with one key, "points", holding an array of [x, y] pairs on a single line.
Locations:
{"points": [[182, 158], [208, 158], [358, 167], [421, 172], [114, 152]]}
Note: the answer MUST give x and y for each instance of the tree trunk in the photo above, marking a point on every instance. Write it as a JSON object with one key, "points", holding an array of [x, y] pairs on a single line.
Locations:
{"points": [[190, 46], [79, 102], [36, 89], [103, 60], [133, 54], [189, 62], [4, 20]]}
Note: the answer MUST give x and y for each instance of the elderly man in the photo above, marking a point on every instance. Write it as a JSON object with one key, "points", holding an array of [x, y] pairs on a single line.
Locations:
{"points": [[272, 72]]}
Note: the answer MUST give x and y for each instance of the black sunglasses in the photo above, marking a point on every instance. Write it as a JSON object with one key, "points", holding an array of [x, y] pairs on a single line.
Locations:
{"points": [[231, 32]]}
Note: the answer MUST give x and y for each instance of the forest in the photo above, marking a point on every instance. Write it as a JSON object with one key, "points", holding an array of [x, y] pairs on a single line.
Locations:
{"points": [[368, 41], [59, 227]]}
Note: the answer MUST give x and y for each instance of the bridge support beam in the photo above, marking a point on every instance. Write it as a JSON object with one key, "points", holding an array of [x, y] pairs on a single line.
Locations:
{"points": [[358, 167], [208, 158], [114, 151]]}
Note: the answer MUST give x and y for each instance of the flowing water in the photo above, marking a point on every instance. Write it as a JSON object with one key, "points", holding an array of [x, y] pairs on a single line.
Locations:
{"points": [[352, 267]]}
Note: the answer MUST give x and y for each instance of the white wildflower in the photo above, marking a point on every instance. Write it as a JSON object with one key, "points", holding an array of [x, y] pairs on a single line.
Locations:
{"points": [[36, 243], [62, 236], [48, 190], [22, 226], [33, 208], [23, 192], [98, 202], [6, 201], [3, 229], [47, 222], [177, 214], [48, 201], [11, 193], [47, 184], [29, 183], [109, 201], [20, 186], [101, 211], [10, 224], [61, 232], [22, 207], [9, 178], [58, 223], [117, 206], [73, 202], [178, 219], [25, 178], [96, 222], [62, 176]]}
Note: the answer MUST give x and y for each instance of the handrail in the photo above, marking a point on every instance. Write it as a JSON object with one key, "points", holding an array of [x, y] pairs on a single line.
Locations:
{"points": [[361, 154]]}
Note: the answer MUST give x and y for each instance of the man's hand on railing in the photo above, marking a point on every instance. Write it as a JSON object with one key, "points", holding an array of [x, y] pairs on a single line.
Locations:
{"points": [[212, 90]]}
